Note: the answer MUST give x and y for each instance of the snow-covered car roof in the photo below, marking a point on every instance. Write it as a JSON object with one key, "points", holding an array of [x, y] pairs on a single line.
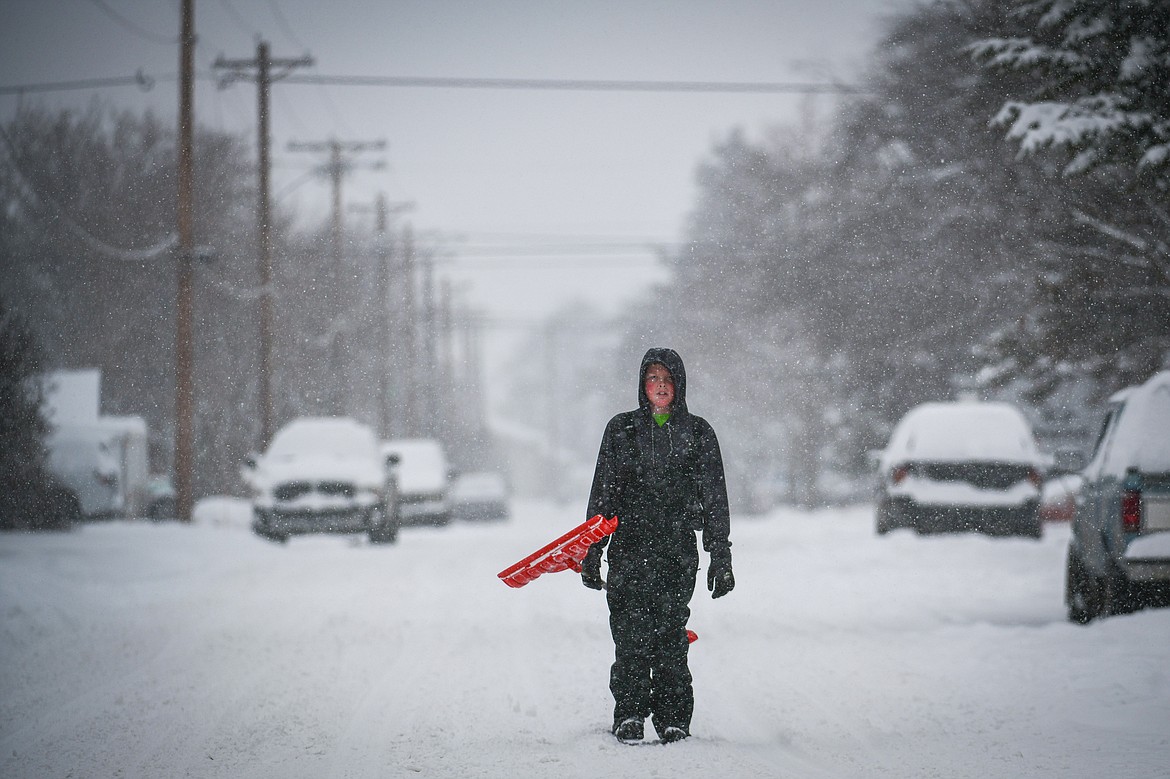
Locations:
{"points": [[422, 464], [962, 431], [479, 485], [323, 436], [1142, 437], [322, 448]]}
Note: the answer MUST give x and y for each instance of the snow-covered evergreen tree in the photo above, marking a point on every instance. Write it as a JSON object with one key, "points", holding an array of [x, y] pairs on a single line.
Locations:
{"points": [[1102, 82], [1095, 103], [26, 494]]}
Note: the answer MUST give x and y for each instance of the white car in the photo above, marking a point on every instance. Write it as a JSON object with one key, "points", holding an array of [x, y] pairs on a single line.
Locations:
{"points": [[958, 466], [480, 495], [423, 476], [323, 475]]}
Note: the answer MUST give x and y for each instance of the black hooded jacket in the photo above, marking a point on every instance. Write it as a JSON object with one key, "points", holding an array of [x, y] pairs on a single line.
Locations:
{"points": [[662, 483]]}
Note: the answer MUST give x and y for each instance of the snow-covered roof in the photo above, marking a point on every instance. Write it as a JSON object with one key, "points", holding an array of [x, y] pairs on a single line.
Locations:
{"points": [[962, 431], [1142, 435], [73, 397]]}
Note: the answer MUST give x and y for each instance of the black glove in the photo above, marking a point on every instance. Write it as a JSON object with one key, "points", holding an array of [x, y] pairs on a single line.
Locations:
{"points": [[720, 580], [591, 569]]}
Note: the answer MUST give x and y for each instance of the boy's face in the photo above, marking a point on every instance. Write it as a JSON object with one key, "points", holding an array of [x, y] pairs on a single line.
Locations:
{"points": [[659, 387]]}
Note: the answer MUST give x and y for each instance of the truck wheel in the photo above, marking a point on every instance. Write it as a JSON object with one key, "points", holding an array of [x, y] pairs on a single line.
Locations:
{"points": [[1117, 595]]}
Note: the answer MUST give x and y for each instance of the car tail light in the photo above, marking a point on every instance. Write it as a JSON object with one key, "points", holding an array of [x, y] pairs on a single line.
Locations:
{"points": [[899, 474], [1131, 511], [1035, 478]]}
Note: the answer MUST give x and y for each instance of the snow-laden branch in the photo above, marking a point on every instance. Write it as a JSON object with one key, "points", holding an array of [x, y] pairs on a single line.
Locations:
{"points": [[1049, 123], [1024, 53], [1111, 231]]}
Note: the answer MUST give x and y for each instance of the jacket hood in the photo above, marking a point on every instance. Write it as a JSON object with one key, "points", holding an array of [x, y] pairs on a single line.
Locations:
{"points": [[674, 364]]}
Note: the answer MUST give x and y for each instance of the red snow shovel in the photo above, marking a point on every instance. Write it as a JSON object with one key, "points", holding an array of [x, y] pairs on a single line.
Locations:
{"points": [[565, 553]]}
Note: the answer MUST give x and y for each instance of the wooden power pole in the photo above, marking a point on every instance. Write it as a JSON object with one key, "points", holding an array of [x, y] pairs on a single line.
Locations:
{"points": [[335, 168], [184, 313], [267, 69]]}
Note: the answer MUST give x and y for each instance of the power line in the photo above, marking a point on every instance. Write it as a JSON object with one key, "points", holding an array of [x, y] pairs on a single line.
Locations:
{"points": [[235, 16], [139, 79], [581, 85], [132, 27], [282, 22], [41, 202], [532, 84]]}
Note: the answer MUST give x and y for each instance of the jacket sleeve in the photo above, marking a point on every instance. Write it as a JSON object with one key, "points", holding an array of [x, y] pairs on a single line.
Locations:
{"points": [[712, 492], [604, 497]]}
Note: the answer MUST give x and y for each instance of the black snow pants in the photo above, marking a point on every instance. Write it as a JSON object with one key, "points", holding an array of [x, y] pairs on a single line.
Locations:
{"points": [[648, 613]]}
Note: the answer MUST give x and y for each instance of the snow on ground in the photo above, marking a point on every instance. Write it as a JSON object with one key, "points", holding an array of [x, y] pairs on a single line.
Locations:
{"points": [[149, 650]]}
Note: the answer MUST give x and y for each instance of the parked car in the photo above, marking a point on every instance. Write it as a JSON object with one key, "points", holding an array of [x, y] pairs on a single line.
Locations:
{"points": [[104, 463], [480, 495], [1119, 548], [424, 477], [323, 475], [959, 466]]}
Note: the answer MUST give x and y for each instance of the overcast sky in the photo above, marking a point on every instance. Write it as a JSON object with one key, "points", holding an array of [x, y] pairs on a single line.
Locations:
{"points": [[542, 197]]}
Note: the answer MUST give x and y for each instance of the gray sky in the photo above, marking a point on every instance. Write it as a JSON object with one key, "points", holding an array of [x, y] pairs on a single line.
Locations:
{"points": [[597, 176]]}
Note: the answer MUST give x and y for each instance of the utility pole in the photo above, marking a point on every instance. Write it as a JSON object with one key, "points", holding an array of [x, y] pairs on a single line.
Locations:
{"points": [[335, 168], [409, 323], [238, 70], [384, 304], [444, 370], [184, 305], [429, 362], [389, 311]]}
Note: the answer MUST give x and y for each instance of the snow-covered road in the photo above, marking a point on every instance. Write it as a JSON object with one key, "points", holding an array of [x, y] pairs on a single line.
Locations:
{"points": [[139, 650]]}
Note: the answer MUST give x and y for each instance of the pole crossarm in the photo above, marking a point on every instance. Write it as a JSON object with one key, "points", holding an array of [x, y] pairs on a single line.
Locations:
{"points": [[352, 147], [241, 69], [338, 163]]}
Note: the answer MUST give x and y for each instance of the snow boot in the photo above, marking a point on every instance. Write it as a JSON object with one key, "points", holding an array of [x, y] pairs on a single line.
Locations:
{"points": [[629, 729], [673, 734]]}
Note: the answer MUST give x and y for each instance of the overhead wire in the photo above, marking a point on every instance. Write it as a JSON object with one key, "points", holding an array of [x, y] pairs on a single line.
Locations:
{"points": [[582, 85], [333, 111], [282, 22], [39, 202], [536, 84], [134, 28]]}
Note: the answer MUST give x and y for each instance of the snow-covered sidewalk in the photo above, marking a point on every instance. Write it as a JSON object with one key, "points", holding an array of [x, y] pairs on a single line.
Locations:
{"points": [[143, 650]]}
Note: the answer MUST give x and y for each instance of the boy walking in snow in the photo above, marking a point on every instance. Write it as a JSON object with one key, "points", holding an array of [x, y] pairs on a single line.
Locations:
{"points": [[659, 470]]}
